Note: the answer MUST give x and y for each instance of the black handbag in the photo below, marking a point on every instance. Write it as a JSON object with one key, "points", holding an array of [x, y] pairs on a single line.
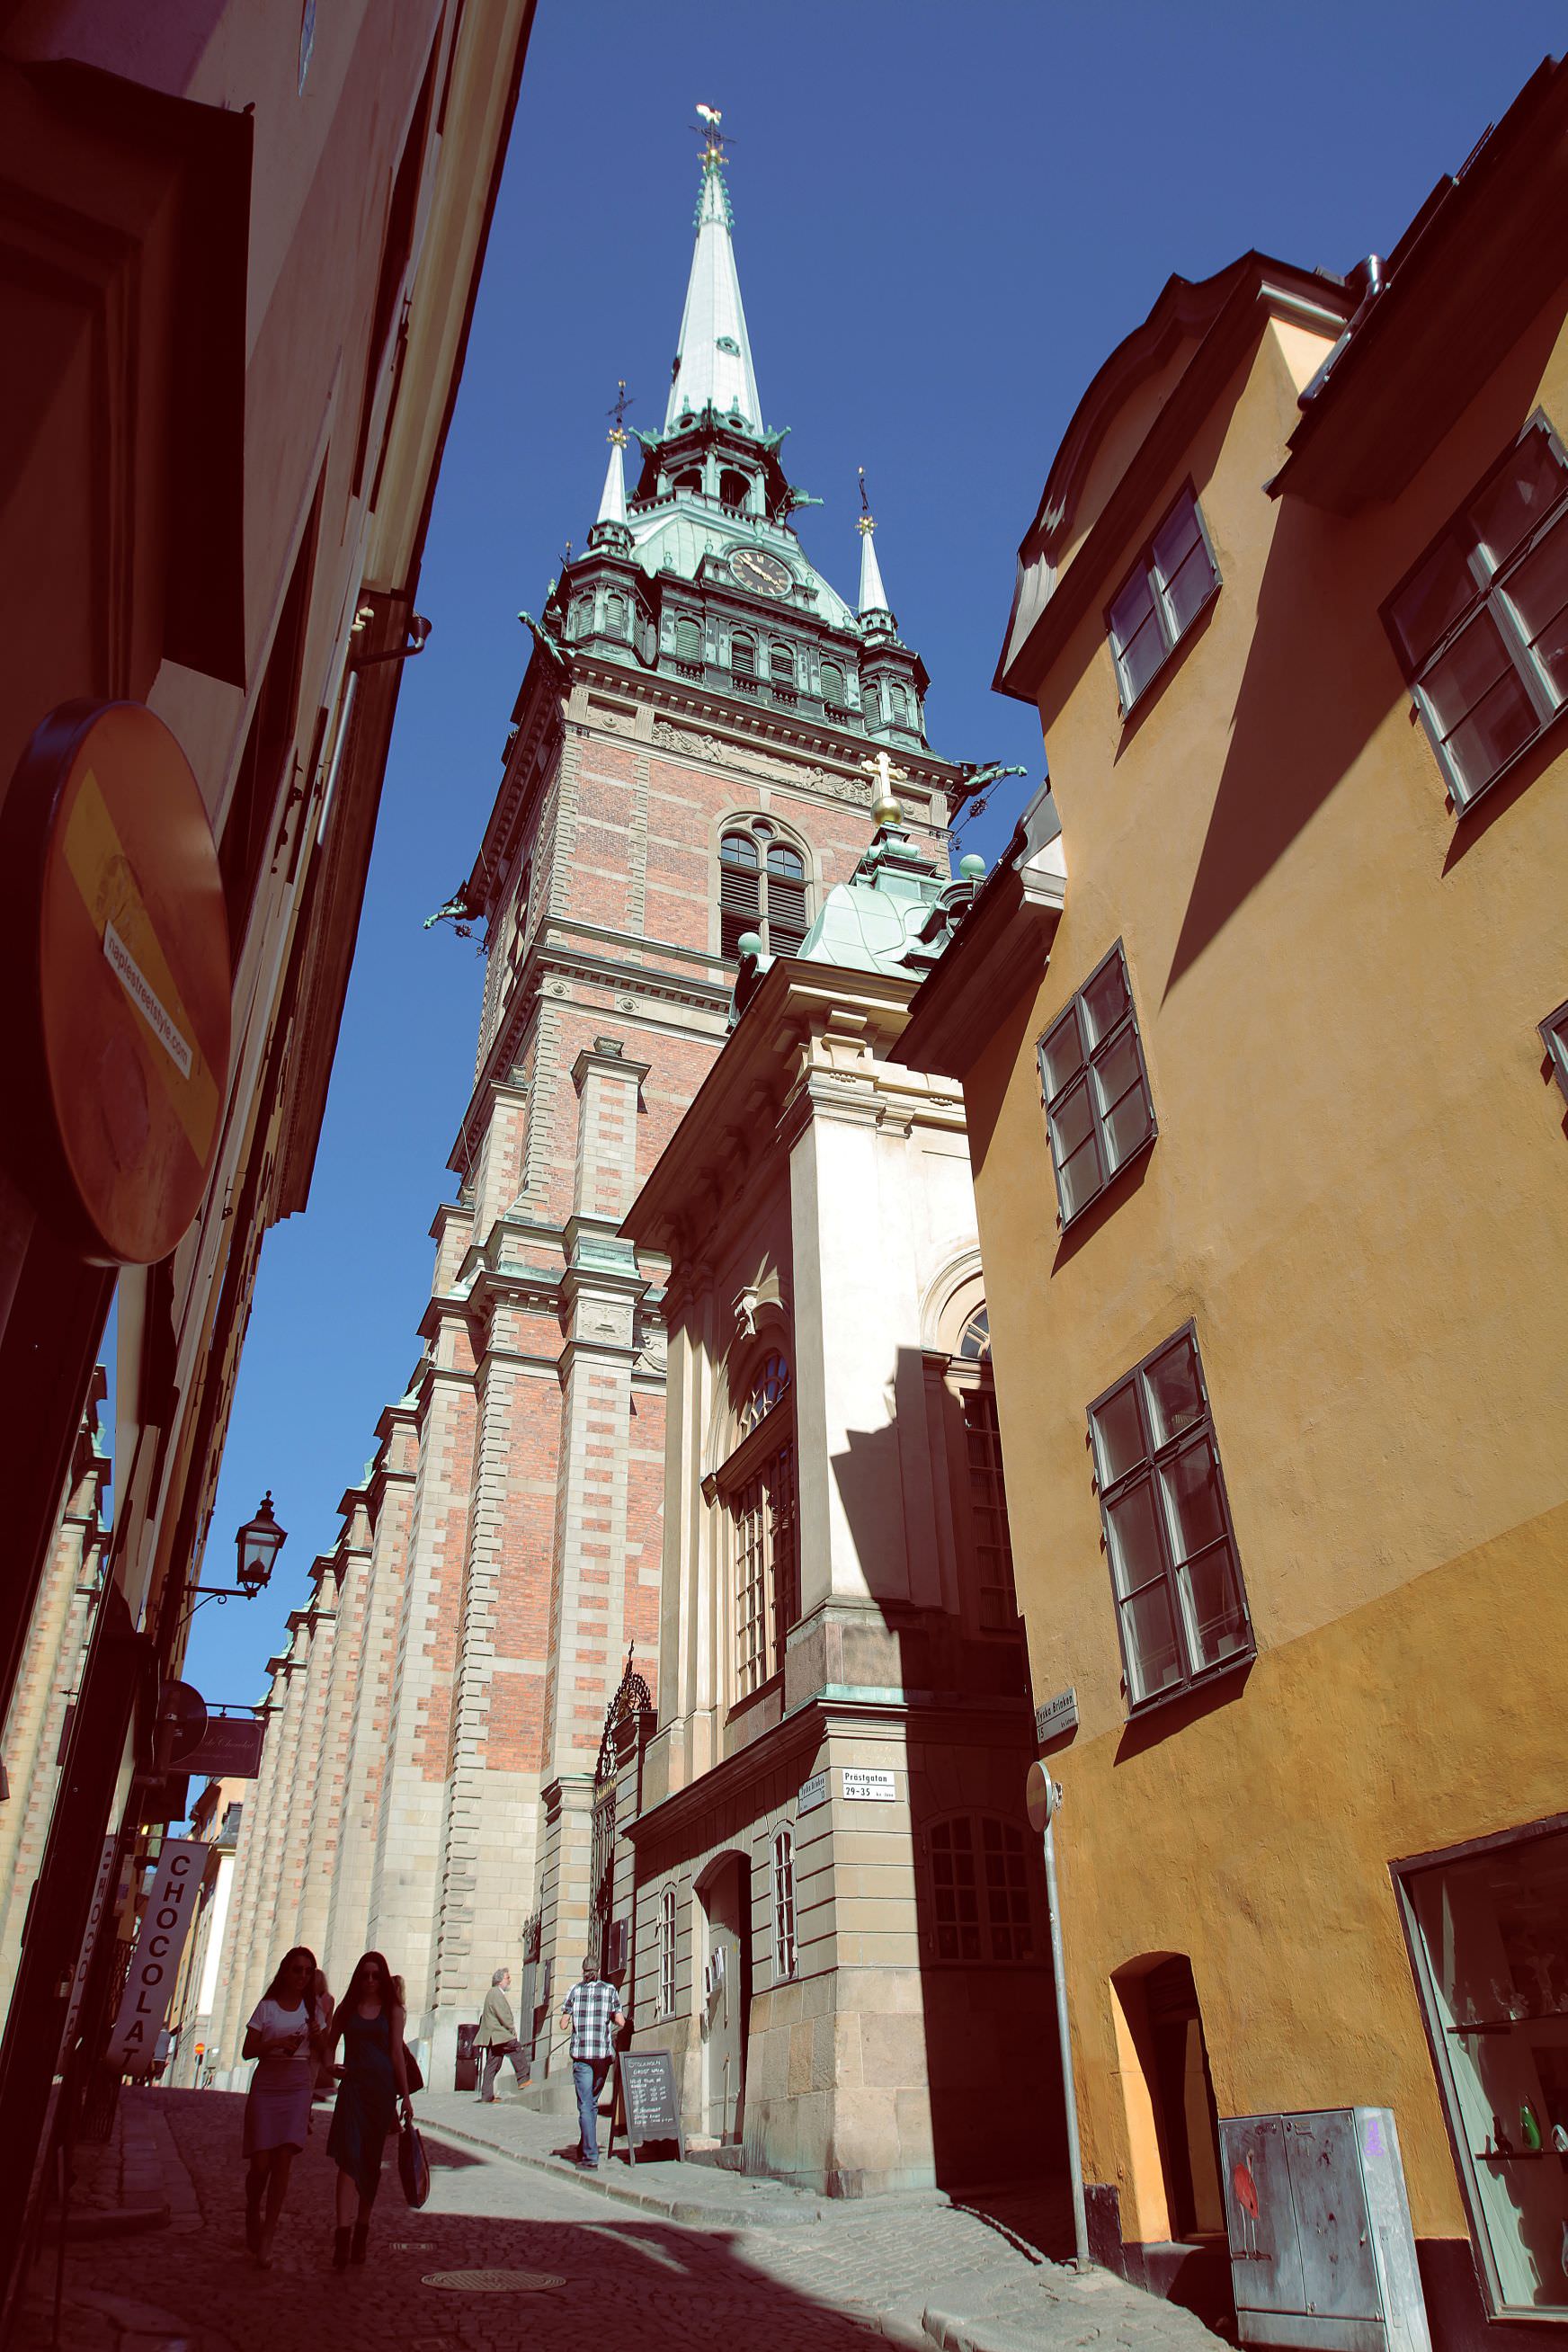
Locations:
{"points": [[411, 2073], [413, 2165]]}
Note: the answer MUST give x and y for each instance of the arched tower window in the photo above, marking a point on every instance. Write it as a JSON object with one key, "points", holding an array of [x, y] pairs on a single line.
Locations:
{"points": [[762, 888], [666, 1952], [780, 665], [743, 655], [615, 615], [734, 490], [832, 683], [688, 641], [871, 701], [691, 480]]}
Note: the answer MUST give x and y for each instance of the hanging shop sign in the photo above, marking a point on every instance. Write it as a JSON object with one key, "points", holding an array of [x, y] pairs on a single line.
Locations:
{"points": [[866, 1788], [133, 2045], [114, 974], [229, 1748]]}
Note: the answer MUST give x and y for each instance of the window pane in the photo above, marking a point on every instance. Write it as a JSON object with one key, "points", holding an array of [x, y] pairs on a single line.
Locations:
{"points": [[1141, 657], [1132, 608], [1216, 1618], [1193, 1511], [1134, 1537], [1129, 1124], [1517, 499], [1117, 1068], [1079, 1178], [1149, 1628], [1468, 671], [1118, 1436], [1432, 601], [1176, 539], [1175, 1394], [1538, 591], [739, 849], [787, 863], [1185, 592], [1072, 1119], [1061, 1056], [1105, 999], [1494, 731]]}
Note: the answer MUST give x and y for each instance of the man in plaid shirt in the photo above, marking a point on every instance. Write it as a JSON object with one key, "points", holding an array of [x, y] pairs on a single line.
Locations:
{"points": [[593, 2013]]}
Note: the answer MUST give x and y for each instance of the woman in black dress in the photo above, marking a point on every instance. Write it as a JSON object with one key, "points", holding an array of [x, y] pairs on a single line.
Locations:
{"points": [[370, 2020]]}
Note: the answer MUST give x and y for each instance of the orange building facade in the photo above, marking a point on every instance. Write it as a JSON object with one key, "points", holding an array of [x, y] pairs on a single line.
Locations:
{"points": [[1262, 1034]]}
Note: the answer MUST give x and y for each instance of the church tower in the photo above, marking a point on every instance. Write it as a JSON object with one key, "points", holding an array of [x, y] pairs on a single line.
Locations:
{"points": [[692, 757]]}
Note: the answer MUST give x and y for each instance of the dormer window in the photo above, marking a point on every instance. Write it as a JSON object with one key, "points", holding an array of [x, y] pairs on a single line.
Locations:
{"points": [[1172, 581]]}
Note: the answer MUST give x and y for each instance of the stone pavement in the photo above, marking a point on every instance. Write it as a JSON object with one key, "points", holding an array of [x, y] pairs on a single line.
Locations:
{"points": [[756, 2264]]}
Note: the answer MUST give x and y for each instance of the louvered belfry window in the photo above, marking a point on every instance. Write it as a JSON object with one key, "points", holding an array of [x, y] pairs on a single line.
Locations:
{"points": [[762, 888]]}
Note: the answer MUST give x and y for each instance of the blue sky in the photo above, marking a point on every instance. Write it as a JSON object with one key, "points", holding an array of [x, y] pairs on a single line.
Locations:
{"points": [[947, 213]]}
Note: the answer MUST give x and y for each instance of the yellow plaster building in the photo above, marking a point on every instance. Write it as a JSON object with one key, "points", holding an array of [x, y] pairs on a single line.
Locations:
{"points": [[1261, 1028]]}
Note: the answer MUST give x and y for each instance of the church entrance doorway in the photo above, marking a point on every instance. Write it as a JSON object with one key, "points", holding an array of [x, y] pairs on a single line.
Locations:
{"points": [[725, 1895]]}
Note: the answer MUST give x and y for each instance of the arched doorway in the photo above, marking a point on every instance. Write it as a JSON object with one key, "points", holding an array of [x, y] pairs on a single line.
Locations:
{"points": [[725, 1893], [1166, 2074]]}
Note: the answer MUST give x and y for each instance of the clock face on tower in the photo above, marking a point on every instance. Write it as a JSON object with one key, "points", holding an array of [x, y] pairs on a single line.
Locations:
{"points": [[754, 569]]}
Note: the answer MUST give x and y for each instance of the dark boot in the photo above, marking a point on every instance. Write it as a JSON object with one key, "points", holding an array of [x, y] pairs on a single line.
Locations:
{"points": [[254, 2188], [361, 2232], [340, 2249]]}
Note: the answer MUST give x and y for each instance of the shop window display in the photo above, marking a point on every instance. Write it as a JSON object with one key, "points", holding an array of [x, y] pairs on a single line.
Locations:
{"points": [[1488, 1932]]}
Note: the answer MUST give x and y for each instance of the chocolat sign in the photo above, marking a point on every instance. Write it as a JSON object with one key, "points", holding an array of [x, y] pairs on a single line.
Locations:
{"points": [[133, 2045]]}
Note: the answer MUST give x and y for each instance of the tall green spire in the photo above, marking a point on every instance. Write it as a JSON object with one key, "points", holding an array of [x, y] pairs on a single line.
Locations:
{"points": [[713, 357]]}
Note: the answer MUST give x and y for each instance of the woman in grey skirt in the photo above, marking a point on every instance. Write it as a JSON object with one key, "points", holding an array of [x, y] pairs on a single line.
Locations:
{"points": [[283, 2034]]}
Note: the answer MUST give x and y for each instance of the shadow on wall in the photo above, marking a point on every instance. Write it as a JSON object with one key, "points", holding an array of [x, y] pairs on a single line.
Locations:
{"points": [[1320, 674], [985, 2038]]}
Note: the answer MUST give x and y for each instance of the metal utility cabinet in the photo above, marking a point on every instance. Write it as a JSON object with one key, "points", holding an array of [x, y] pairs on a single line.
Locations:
{"points": [[1322, 2250]]}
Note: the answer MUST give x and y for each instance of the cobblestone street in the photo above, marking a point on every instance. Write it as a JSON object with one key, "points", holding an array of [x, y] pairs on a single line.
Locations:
{"points": [[560, 2263]]}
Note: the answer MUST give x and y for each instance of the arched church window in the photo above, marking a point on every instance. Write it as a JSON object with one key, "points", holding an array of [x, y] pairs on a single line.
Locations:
{"points": [[688, 641], [691, 480], [898, 703], [762, 887], [780, 665], [615, 615], [735, 488], [766, 1388], [974, 1339], [871, 701], [832, 683], [582, 617], [758, 1486], [743, 655]]}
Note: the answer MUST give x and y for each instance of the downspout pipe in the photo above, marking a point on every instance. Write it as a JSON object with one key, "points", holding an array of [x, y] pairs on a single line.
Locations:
{"points": [[1369, 277]]}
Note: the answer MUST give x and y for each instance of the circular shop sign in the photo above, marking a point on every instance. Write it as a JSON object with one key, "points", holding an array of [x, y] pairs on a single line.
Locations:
{"points": [[115, 973]]}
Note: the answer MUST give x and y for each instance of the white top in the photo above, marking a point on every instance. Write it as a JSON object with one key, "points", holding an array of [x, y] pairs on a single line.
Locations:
{"points": [[285, 2033]]}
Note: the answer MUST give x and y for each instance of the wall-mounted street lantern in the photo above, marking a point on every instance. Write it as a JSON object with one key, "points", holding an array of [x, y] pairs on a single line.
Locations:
{"points": [[258, 1543]]}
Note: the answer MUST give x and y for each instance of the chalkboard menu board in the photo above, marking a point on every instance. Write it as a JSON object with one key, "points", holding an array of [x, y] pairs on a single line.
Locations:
{"points": [[647, 2106]]}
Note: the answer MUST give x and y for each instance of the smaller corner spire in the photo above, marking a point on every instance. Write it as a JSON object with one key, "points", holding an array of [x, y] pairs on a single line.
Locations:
{"points": [[611, 519], [873, 596]]}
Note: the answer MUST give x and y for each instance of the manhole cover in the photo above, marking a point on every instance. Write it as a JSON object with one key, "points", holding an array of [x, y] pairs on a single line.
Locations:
{"points": [[494, 2282]]}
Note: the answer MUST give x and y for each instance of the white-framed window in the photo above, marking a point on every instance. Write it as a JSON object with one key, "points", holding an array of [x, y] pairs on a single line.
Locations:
{"points": [[1100, 1113], [784, 1904], [666, 1952], [1554, 1037], [1181, 1609], [1480, 623], [980, 1890], [762, 888], [1174, 577]]}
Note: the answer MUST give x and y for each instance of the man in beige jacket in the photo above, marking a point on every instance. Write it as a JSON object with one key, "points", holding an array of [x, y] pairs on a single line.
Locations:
{"points": [[496, 2036]]}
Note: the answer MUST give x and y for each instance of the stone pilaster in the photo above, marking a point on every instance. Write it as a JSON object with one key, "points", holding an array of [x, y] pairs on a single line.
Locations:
{"points": [[245, 1898]]}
